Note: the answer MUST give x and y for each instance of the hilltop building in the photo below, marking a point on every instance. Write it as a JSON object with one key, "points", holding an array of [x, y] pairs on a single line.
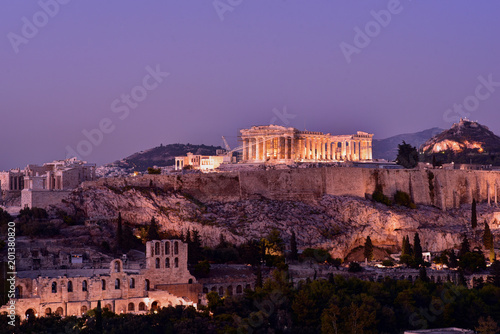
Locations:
{"points": [[279, 144], [39, 186]]}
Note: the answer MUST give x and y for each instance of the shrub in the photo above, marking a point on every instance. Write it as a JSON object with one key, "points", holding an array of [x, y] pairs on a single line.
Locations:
{"points": [[403, 199], [354, 267], [387, 263]]}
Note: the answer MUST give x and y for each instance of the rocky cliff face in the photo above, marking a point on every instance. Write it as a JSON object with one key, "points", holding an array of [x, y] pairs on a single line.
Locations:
{"points": [[338, 223]]}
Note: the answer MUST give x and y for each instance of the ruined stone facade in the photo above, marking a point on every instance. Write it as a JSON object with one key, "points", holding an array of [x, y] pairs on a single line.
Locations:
{"points": [[162, 280], [279, 144], [203, 163], [40, 186]]}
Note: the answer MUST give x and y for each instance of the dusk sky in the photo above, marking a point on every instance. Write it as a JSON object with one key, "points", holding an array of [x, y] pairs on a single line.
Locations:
{"points": [[68, 69]]}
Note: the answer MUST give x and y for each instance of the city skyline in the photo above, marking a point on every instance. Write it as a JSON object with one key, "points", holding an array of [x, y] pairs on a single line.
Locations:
{"points": [[131, 76]]}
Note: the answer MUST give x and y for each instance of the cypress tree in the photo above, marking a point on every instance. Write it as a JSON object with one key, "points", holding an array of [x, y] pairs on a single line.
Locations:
{"points": [[368, 252], [487, 237], [153, 230], [98, 318], [465, 247], [417, 249], [119, 232], [473, 218], [293, 248]]}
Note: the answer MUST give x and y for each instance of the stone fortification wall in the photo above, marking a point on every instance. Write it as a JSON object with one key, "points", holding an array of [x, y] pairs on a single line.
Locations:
{"points": [[441, 188], [42, 198]]}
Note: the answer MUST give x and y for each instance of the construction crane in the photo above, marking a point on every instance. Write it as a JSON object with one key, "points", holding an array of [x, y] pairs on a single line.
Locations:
{"points": [[226, 144]]}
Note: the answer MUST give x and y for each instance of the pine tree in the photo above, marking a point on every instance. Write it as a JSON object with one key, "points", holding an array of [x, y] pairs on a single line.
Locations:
{"points": [[294, 253], [473, 218], [119, 232], [368, 252], [258, 281], [422, 274], [464, 247], [404, 247], [417, 250], [153, 230]]}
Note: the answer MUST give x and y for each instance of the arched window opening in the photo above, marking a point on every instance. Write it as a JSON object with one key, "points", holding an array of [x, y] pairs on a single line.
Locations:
{"points": [[142, 306], [83, 309], [167, 248], [30, 314], [19, 292], [117, 284], [239, 289], [70, 286], [157, 248], [132, 283], [103, 284], [84, 286], [167, 262], [131, 307], [176, 262], [48, 311], [117, 266], [221, 291], [146, 285], [54, 287], [59, 311], [176, 248], [157, 263]]}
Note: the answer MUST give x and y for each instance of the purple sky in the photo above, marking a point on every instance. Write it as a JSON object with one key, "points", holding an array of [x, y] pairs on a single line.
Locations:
{"points": [[232, 73]]}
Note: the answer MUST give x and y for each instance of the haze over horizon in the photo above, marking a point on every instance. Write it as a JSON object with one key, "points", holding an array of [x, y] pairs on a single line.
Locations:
{"points": [[200, 71]]}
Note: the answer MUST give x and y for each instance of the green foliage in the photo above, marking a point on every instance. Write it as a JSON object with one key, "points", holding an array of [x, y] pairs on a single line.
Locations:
{"points": [[153, 231], [368, 249], [494, 277], [473, 218], [154, 171], [202, 269], [472, 262], [407, 155], [387, 263], [417, 250], [404, 199], [488, 241], [318, 255], [355, 267], [464, 247], [378, 196]]}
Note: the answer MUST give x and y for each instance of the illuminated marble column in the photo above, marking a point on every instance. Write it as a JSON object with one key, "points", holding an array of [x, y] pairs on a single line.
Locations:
{"points": [[245, 149], [292, 140], [250, 148]]}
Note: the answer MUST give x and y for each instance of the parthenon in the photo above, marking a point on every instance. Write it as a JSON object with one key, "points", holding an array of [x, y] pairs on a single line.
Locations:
{"points": [[279, 144]]}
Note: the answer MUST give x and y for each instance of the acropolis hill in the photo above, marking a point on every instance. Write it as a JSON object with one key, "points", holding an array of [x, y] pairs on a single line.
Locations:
{"points": [[326, 207], [444, 189]]}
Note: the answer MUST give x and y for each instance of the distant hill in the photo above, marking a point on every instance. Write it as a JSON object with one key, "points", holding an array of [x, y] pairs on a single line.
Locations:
{"points": [[464, 142], [161, 156], [388, 148]]}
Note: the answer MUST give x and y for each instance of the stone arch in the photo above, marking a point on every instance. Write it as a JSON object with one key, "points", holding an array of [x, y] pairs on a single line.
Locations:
{"points": [[19, 292], [142, 306], [131, 307], [248, 287], [117, 266], [54, 287], [70, 286], [213, 289], [167, 248], [29, 314], [109, 307], [155, 306], [48, 311], [60, 311], [84, 286], [167, 262], [176, 247], [157, 263], [132, 283], [176, 262], [117, 284], [239, 289], [230, 290], [83, 309], [221, 291], [190, 281], [157, 248]]}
